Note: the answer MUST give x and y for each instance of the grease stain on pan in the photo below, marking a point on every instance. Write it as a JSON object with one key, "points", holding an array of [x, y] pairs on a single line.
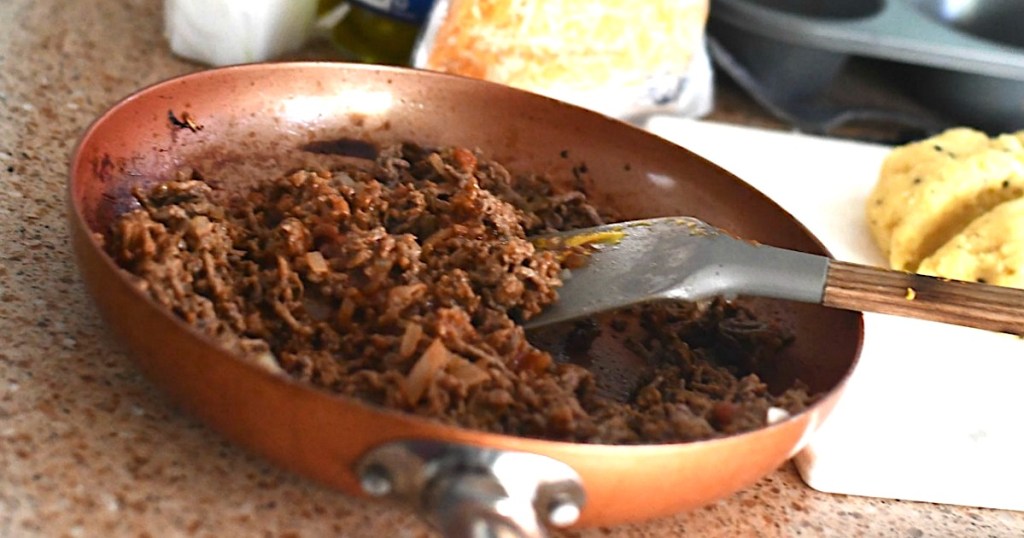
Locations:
{"points": [[115, 197], [348, 147]]}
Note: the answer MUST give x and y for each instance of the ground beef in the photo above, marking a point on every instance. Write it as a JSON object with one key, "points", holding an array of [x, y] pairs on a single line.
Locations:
{"points": [[403, 284]]}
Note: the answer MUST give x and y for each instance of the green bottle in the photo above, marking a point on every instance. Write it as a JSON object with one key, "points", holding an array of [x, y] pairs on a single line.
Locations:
{"points": [[379, 31]]}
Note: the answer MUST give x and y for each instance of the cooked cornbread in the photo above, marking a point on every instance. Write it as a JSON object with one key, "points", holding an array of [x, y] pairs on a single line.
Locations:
{"points": [[931, 190], [990, 249]]}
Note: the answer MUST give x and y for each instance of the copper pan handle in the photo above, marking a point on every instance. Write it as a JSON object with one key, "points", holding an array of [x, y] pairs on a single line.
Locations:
{"points": [[475, 492]]}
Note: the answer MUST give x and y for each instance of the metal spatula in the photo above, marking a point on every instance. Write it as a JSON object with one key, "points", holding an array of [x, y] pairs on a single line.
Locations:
{"points": [[682, 258]]}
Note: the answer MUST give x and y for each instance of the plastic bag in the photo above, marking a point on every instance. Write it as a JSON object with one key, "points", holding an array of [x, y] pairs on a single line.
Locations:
{"points": [[622, 58]]}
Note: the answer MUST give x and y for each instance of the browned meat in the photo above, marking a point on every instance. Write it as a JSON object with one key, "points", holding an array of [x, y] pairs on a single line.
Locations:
{"points": [[403, 286]]}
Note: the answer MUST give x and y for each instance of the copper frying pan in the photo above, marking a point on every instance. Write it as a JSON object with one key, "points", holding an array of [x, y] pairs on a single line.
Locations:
{"points": [[258, 121]]}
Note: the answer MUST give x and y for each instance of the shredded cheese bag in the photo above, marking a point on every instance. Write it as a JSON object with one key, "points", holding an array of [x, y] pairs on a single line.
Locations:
{"points": [[590, 52]]}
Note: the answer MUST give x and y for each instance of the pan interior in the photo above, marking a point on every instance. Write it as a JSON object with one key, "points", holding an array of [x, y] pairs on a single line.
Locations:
{"points": [[258, 124]]}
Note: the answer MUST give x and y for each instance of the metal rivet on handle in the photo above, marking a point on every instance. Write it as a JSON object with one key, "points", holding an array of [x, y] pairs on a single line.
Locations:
{"points": [[376, 481], [563, 511], [475, 491]]}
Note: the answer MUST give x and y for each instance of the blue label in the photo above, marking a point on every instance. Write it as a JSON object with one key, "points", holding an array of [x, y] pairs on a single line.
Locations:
{"points": [[407, 10]]}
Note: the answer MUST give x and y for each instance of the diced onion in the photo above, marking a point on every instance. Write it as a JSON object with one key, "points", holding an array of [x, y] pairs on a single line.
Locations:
{"points": [[433, 360], [777, 414], [467, 372], [317, 263], [410, 339]]}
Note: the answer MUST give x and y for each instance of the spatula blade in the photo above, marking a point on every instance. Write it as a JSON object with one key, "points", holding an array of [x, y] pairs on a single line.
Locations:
{"points": [[676, 258]]}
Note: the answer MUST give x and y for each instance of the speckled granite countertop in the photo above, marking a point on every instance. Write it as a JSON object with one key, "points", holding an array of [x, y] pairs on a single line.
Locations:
{"points": [[87, 448]]}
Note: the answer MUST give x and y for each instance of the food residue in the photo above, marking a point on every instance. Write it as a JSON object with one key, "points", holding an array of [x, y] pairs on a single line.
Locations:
{"points": [[405, 284]]}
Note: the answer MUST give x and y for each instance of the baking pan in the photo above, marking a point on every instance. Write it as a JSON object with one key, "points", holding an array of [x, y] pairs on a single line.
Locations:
{"points": [[964, 58], [253, 121]]}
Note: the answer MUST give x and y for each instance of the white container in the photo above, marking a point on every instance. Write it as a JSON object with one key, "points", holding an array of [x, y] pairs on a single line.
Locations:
{"points": [[225, 32]]}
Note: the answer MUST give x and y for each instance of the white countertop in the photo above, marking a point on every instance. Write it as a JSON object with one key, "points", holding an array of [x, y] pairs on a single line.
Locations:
{"points": [[932, 412]]}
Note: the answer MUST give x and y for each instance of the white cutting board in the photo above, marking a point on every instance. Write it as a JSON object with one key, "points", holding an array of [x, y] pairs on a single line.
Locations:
{"points": [[932, 412]]}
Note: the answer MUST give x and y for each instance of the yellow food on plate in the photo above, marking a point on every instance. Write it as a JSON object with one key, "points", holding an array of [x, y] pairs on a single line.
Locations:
{"points": [[990, 249], [929, 191]]}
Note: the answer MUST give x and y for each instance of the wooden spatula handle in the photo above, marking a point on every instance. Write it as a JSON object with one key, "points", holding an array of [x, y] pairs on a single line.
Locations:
{"points": [[870, 289]]}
